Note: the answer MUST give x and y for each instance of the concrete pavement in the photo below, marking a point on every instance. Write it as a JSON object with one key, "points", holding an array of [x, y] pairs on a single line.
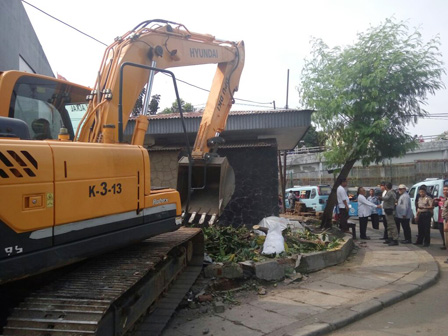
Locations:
{"points": [[375, 277]]}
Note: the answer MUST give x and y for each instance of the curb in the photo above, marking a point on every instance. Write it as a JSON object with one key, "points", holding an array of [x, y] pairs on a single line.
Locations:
{"points": [[316, 261], [339, 317]]}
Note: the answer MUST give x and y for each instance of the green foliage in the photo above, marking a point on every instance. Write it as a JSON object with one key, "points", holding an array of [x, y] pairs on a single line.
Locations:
{"points": [[186, 107], [367, 93], [154, 104], [314, 138], [307, 241], [228, 244]]}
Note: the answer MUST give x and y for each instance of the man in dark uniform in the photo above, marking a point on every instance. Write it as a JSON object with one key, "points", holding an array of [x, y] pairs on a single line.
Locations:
{"points": [[424, 214]]}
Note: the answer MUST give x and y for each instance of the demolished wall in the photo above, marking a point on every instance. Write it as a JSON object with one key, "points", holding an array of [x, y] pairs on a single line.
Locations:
{"points": [[256, 185], [256, 181]]}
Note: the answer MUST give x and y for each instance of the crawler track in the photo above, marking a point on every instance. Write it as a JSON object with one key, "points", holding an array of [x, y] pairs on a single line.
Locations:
{"points": [[108, 294]]}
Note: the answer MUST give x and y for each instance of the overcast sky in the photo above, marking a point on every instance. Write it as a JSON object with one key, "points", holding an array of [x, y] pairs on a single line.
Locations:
{"points": [[276, 35]]}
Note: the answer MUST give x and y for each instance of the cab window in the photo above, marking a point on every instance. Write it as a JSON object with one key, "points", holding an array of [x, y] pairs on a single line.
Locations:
{"points": [[305, 194], [313, 193], [412, 193], [44, 105]]}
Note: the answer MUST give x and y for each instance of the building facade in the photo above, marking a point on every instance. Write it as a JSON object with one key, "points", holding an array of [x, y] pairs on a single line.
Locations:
{"points": [[20, 47]]}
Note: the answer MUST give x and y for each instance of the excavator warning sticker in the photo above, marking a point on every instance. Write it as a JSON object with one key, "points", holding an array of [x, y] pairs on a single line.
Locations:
{"points": [[104, 189]]}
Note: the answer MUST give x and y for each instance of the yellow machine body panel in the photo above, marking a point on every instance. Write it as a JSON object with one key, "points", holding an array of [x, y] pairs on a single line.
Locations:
{"points": [[87, 188], [26, 186], [164, 197]]}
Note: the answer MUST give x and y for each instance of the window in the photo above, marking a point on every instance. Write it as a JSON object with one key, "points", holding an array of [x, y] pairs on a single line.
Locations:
{"points": [[412, 193], [305, 194], [435, 192], [324, 190], [43, 104], [313, 193]]}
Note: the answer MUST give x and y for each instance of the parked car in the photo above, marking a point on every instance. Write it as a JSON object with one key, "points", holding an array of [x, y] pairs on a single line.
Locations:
{"points": [[434, 187], [312, 196]]}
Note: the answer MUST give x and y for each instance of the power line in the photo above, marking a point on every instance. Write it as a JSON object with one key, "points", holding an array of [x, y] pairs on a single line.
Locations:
{"points": [[200, 88], [79, 31], [249, 105], [180, 80]]}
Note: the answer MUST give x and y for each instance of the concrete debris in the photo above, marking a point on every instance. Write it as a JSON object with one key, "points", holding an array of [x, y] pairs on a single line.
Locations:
{"points": [[205, 298], [293, 278], [218, 307], [262, 291]]}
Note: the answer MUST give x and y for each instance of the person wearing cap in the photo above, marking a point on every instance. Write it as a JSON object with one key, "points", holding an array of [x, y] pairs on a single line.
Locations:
{"points": [[424, 214], [403, 213], [389, 200]]}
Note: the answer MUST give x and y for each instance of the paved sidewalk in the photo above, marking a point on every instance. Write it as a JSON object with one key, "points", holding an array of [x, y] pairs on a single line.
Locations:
{"points": [[375, 277]]}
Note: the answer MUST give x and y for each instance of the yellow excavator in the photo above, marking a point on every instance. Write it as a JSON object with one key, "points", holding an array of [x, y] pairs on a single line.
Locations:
{"points": [[70, 195]]}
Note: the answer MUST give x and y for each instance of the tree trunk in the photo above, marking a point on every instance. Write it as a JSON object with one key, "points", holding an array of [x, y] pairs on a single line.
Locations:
{"points": [[332, 199]]}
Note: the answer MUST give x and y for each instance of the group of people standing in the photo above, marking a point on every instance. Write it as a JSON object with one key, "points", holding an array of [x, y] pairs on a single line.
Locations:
{"points": [[396, 212]]}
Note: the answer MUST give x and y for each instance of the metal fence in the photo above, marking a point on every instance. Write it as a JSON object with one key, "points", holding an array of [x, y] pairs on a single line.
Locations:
{"points": [[405, 173]]}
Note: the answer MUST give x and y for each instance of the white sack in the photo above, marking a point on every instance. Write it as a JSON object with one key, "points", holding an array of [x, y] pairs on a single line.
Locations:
{"points": [[274, 243]]}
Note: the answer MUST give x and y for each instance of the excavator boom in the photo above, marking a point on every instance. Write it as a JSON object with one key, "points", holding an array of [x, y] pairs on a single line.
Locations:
{"points": [[162, 44]]}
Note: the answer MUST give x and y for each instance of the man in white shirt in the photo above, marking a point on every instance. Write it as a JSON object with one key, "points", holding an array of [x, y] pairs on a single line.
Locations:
{"points": [[343, 204]]}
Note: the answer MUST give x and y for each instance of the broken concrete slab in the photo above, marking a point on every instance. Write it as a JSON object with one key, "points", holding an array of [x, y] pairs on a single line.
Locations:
{"points": [[274, 270], [220, 270]]}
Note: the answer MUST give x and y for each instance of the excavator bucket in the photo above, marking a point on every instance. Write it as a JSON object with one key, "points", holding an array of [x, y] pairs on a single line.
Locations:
{"points": [[212, 187]]}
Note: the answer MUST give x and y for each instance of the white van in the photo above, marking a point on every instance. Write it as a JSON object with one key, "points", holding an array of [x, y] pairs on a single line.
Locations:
{"points": [[434, 187]]}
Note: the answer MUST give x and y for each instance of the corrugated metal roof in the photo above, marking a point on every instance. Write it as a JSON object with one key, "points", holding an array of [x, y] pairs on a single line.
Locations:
{"points": [[199, 114], [237, 120], [287, 127]]}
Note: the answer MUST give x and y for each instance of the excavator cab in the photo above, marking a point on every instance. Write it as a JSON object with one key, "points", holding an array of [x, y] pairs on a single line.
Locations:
{"points": [[212, 187]]}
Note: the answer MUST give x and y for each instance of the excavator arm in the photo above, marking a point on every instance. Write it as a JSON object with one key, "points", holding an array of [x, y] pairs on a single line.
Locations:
{"points": [[162, 44]]}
